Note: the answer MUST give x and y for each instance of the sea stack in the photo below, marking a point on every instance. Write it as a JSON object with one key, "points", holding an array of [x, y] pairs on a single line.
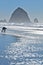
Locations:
{"points": [[19, 16], [35, 20]]}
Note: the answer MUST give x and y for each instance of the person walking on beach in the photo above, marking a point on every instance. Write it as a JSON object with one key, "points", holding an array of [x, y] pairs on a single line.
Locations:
{"points": [[3, 29]]}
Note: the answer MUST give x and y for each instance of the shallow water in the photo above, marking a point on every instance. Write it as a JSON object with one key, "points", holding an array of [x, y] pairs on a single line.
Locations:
{"points": [[27, 51], [6, 40], [24, 52]]}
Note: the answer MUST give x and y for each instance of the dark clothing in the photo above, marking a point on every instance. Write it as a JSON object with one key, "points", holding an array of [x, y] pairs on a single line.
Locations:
{"points": [[4, 29]]}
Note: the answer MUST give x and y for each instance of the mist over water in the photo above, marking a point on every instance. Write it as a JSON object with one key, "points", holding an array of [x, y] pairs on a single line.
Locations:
{"points": [[28, 50]]}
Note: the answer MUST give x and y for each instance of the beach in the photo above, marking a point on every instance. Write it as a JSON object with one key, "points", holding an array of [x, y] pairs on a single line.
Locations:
{"points": [[28, 50]]}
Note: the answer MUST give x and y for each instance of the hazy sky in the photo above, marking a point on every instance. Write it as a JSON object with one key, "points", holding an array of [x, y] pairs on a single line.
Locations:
{"points": [[34, 8]]}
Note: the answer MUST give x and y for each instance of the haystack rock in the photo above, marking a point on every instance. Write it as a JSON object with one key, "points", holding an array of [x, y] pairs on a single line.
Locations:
{"points": [[19, 16]]}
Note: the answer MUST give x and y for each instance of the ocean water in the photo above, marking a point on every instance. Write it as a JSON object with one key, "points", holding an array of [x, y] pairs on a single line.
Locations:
{"points": [[24, 50], [5, 41]]}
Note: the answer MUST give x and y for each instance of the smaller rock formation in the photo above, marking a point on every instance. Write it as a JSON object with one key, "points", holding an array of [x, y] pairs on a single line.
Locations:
{"points": [[3, 20], [35, 20]]}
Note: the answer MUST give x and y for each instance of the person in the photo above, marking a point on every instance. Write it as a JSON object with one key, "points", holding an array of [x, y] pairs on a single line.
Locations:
{"points": [[3, 29]]}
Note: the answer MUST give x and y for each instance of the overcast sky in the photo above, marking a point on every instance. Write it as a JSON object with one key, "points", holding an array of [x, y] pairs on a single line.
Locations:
{"points": [[34, 8]]}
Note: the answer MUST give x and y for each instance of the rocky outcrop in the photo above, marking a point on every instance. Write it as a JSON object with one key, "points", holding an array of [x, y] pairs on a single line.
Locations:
{"points": [[19, 15], [3, 21], [35, 20]]}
